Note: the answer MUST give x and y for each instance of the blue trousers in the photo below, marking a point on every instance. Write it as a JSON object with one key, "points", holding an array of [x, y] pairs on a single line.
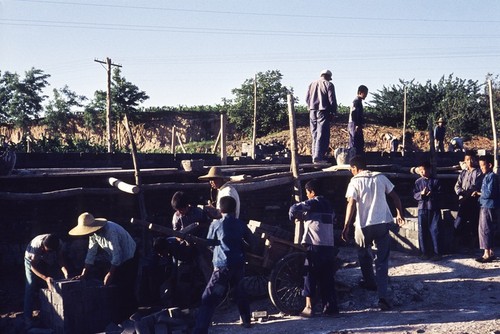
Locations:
{"points": [[356, 138], [319, 121], [214, 293], [487, 227], [320, 272], [428, 231], [35, 283], [378, 236]]}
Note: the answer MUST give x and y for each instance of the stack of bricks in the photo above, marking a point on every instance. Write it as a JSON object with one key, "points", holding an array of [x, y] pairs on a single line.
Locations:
{"points": [[405, 238], [76, 307]]}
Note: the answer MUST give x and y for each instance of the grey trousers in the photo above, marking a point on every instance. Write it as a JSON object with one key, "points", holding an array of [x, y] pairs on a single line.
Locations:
{"points": [[374, 247]]}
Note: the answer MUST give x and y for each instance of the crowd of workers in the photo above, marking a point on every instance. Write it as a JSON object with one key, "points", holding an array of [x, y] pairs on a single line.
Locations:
{"points": [[367, 210]]}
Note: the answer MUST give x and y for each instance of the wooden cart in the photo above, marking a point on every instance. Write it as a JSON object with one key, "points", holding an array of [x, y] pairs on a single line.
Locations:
{"points": [[274, 264], [280, 263]]}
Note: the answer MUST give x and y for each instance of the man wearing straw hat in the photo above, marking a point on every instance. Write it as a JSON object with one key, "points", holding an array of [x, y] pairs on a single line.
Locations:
{"points": [[120, 249], [439, 132], [219, 182]]}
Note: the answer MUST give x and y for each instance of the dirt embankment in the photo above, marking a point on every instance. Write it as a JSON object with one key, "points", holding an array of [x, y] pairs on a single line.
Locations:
{"points": [[374, 139]]}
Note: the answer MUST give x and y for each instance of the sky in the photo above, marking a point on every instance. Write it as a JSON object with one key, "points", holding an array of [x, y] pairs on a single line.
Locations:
{"points": [[195, 52]]}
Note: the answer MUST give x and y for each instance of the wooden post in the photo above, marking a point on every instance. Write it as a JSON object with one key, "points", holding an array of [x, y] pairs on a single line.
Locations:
{"points": [[138, 182], [297, 189], [433, 147], [223, 148], [108, 101], [254, 136], [494, 128], [108, 108], [217, 140], [180, 143], [404, 122], [172, 142]]}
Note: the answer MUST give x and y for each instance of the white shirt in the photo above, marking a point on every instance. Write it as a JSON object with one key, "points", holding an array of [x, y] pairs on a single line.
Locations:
{"points": [[229, 190], [369, 190], [115, 241]]}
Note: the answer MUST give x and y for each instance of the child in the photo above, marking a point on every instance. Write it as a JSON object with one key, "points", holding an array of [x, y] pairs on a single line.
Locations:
{"points": [[185, 214], [426, 192], [319, 218], [489, 201], [229, 266]]}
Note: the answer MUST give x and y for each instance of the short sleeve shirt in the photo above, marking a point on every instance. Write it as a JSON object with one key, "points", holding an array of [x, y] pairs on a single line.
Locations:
{"points": [[369, 190]]}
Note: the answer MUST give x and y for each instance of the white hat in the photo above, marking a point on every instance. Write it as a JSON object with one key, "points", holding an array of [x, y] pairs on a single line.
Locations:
{"points": [[325, 72]]}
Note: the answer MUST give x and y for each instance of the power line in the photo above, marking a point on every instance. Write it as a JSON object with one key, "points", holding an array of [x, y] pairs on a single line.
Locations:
{"points": [[149, 28], [328, 17]]}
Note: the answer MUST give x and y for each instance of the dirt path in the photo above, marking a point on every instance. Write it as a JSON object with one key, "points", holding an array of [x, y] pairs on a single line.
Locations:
{"points": [[456, 295]]}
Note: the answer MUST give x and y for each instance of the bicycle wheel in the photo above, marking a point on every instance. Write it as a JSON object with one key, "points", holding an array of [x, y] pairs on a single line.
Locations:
{"points": [[286, 283]]}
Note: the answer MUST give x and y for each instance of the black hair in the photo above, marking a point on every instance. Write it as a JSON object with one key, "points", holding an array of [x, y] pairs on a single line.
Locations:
{"points": [[227, 204], [488, 158], [424, 163], [358, 161], [363, 89], [160, 245], [313, 186], [51, 242], [179, 201], [470, 153]]}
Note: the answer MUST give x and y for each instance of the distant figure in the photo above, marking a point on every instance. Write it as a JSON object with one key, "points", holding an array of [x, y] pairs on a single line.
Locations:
{"points": [[318, 218], [439, 133], [456, 145], [43, 261], [467, 186], [219, 182], [367, 203], [426, 192], [489, 200], [357, 122], [229, 266], [322, 104], [391, 143]]}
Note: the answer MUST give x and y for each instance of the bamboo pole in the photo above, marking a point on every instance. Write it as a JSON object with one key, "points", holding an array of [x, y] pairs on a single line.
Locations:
{"points": [[172, 141], [494, 128], [254, 135], [146, 245], [295, 166], [223, 148], [180, 143], [217, 140], [404, 123]]}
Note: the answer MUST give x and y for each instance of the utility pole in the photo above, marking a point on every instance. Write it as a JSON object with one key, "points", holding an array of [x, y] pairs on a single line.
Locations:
{"points": [[108, 101]]}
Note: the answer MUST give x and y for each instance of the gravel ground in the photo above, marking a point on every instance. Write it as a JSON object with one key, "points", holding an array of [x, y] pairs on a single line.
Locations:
{"points": [[456, 295]]}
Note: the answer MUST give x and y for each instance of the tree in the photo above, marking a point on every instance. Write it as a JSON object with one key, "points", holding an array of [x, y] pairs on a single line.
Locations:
{"points": [[59, 110], [126, 96], [25, 97], [272, 112], [457, 100]]}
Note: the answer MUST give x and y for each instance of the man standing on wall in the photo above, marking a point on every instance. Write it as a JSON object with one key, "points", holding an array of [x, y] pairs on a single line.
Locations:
{"points": [[356, 121], [322, 105]]}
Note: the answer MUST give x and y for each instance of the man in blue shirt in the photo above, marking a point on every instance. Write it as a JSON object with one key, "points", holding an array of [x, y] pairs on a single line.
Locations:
{"points": [[439, 132], [229, 266], [357, 121]]}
